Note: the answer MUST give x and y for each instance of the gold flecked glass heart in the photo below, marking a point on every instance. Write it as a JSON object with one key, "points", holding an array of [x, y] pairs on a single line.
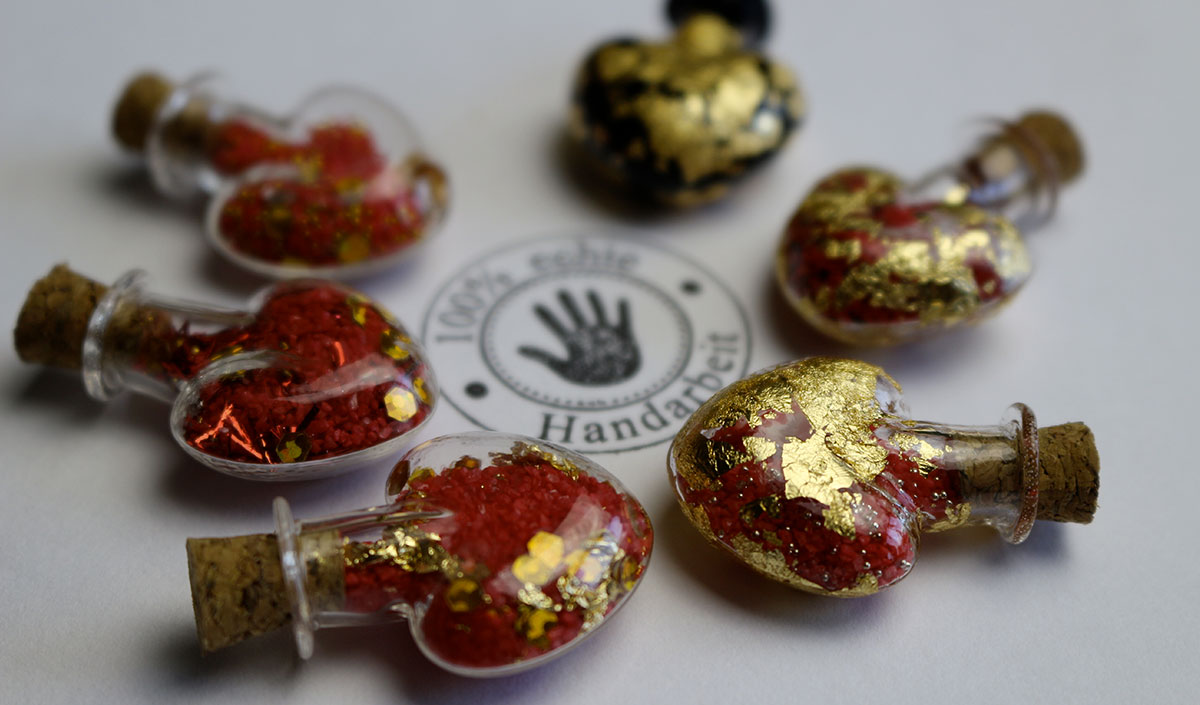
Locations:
{"points": [[682, 119], [865, 267]]}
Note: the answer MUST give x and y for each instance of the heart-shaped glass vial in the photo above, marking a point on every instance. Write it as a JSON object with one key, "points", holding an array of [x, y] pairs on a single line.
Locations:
{"points": [[869, 259], [863, 265], [681, 120], [811, 474], [339, 188], [500, 551], [312, 379]]}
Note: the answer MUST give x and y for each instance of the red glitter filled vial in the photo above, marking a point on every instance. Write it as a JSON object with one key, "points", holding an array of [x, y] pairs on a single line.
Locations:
{"points": [[501, 552], [871, 259], [311, 379], [339, 188], [813, 474]]}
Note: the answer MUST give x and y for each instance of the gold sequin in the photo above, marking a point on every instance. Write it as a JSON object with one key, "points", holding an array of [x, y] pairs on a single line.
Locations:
{"points": [[293, 448], [400, 403], [392, 343]]}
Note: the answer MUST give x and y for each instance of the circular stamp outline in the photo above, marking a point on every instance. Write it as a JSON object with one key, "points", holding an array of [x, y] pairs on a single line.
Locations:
{"points": [[677, 368], [743, 318]]}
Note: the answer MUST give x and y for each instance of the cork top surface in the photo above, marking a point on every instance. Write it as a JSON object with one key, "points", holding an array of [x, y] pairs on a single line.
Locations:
{"points": [[1069, 483], [53, 321], [137, 107], [1058, 138], [237, 588]]}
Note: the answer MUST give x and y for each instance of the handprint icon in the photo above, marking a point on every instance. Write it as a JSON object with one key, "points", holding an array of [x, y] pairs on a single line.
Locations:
{"points": [[599, 352], [600, 343]]}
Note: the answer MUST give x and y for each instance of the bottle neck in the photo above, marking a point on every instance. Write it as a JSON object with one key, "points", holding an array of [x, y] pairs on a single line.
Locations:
{"points": [[176, 126], [316, 557], [145, 343], [1016, 171], [960, 475], [119, 350]]}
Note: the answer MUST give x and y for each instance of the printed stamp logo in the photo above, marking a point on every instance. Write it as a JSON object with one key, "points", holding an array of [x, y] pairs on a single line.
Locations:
{"points": [[600, 344]]}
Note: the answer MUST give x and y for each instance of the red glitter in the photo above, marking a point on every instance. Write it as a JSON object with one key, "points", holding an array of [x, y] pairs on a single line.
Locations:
{"points": [[324, 334], [345, 204], [496, 511]]}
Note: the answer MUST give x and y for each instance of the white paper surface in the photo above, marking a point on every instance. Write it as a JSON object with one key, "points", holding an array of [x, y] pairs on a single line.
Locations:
{"points": [[96, 501]]}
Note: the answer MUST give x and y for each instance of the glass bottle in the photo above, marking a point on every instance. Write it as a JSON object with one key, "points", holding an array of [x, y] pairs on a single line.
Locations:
{"points": [[311, 379], [682, 120], [870, 259], [813, 474], [338, 188], [501, 552]]}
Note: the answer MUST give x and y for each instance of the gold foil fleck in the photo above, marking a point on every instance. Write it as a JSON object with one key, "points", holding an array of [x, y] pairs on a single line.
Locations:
{"points": [[534, 597], [391, 342], [708, 108], [354, 248], [956, 515], [532, 623], [760, 449], [358, 308], [464, 595], [923, 451]]}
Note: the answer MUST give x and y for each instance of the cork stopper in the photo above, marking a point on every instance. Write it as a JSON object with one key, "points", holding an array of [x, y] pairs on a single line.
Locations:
{"points": [[53, 322], [138, 107], [237, 588], [1040, 144], [1070, 473], [1058, 139]]}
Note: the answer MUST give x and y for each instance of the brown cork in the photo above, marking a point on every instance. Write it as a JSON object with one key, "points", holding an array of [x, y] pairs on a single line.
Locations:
{"points": [[1070, 473], [137, 109], [237, 588], [186, 132], [54, 320], [1056, 138], [1041, 142]]}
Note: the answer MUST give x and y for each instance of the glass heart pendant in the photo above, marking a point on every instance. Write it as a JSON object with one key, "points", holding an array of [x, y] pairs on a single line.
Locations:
{"points": [[680, 121], [870, 259], [339, 188], [312, 379], [501, 552], [812, 474]]}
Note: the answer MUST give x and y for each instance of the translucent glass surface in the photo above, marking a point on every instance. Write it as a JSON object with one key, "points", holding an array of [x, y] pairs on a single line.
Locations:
{"points": [[810, 473], [312, 380], [501, 551]]}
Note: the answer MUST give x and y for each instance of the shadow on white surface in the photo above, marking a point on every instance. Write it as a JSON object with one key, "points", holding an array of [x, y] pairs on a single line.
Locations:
{"points": [[270, 662], [127, 180], [57, 392], [174, 656], [678, 541], [597, 188], [191, 485]]}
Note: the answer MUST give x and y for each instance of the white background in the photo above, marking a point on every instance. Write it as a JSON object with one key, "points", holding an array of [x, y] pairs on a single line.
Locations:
{"points": [[96, 501]]}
